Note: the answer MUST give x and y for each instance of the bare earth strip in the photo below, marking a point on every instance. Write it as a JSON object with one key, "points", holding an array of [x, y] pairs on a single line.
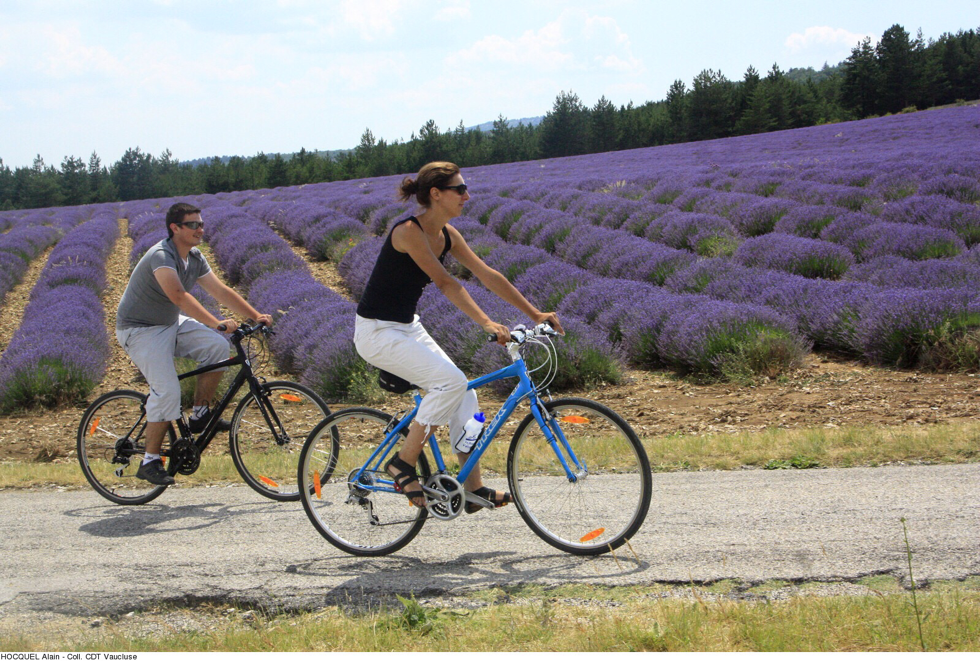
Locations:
{"points": [[324, 272]]}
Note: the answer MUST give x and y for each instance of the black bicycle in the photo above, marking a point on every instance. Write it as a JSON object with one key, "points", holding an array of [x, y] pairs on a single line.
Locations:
{"points": [[268, 429]]}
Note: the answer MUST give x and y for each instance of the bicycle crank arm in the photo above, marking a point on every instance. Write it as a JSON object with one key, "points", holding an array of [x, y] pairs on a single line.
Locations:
{"points": [[480, 501]]}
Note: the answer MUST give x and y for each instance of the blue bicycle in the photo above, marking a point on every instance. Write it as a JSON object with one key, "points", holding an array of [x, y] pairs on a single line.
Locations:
{"points": [[576, 470]]}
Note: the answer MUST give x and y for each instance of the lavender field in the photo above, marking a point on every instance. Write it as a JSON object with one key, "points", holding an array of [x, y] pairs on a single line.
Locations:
{"points": [[730, 258]]}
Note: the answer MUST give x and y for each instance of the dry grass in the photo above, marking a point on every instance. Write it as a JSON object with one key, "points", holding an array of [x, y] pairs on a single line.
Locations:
{"points": [[771, 448]]}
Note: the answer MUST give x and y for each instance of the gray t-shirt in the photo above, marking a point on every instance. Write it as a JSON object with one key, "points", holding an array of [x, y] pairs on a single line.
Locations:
{"points": [[144, 302]]}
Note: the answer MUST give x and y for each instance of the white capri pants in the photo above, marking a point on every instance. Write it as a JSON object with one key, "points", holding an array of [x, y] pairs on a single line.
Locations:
{"points": [[153, 348], [408, 351]]}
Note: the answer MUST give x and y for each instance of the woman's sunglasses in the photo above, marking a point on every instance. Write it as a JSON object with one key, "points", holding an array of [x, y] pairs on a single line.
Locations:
{"points": [[459, 188]]}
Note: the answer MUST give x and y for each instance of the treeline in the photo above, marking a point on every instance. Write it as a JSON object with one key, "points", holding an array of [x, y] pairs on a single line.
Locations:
{"points": [[898, 73]]}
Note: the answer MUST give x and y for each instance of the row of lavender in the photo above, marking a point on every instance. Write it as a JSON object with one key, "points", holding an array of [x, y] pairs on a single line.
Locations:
{"points": [[26, 234], [59, 352]]}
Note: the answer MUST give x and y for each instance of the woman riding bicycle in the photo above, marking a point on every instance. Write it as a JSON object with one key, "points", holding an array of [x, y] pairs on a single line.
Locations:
{"points": [[388, 333]]}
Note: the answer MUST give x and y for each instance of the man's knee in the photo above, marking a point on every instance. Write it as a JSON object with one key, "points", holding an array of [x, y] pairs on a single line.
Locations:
{"points": [[163, 405], [214, 352]]}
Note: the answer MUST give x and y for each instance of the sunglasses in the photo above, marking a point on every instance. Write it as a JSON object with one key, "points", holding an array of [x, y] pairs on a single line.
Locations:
{"points": [[193, 225], [459, 188]]}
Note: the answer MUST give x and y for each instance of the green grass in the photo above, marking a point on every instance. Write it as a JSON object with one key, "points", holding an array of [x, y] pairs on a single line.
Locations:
{"points": [[724, 616]]}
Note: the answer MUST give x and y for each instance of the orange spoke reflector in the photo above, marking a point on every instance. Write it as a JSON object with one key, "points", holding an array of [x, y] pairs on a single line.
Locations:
{"points": [[592, 535], [95, 425], [574, 419], [316, 484], [268, 481], [289, 397]]}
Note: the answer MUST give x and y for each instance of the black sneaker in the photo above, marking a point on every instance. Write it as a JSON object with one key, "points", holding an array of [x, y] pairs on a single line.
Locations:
{"points": [[154, 472], [197, 425]]}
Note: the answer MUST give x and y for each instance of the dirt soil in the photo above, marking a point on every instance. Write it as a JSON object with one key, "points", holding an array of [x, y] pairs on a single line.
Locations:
{"points": [[824, 392]]}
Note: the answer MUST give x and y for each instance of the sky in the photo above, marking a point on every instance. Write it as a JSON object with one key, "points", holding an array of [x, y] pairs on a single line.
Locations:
{"points": [[223, 77]]}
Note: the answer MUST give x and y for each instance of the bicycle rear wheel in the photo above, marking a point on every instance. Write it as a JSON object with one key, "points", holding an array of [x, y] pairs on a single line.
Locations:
{"points": [[265, 455], [609, 499], [352, 516], [111, 444]]}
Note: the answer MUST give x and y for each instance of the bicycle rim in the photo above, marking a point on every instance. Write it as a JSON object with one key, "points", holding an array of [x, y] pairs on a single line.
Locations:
{"points": [[357, 519], [266, 457], [606, 505], [111, 445]]}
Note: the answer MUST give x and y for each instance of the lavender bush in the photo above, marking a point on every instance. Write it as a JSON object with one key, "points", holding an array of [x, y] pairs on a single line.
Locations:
{"points": [[914, 242], [811, 258], [731, 340]]}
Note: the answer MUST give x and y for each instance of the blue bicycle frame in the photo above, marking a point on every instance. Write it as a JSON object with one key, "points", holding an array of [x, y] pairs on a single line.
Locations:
{"points": [[552, 431]]}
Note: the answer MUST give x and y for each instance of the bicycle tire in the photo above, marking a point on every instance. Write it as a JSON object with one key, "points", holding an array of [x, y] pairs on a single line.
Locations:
{"points": [[337, 447], [601, 510], [106, 432], [266, 459]]}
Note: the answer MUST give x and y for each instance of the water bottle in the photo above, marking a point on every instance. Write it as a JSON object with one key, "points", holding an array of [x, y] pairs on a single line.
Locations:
{"points": [[471, 432]]}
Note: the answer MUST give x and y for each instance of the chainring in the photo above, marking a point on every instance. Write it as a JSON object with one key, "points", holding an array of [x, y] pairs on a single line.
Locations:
{"points": [[452, 506], [186, 455]]}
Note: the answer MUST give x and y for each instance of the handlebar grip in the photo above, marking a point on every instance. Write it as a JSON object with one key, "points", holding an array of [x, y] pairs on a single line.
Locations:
{"points": [[221, 327], [492, 337]]}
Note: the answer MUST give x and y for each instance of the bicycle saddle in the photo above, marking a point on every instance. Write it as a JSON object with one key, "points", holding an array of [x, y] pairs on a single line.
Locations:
{"points": [[394, 383]]}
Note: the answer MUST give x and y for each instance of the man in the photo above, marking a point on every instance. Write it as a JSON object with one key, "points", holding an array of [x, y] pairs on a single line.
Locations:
{"points": [[152, 330]]}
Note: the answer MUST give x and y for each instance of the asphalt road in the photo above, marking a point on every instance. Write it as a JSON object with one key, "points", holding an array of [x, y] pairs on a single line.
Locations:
{"points": [[73, 552]]}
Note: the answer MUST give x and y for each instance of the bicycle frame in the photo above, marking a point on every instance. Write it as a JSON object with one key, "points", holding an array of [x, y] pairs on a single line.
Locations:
{"points": [[524, 388], [244, 375]]}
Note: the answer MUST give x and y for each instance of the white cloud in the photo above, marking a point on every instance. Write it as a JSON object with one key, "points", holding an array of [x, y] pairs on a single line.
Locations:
{"points": [[63, 53], [455, 10], [575, 41], [372, 19], [822, 36]]}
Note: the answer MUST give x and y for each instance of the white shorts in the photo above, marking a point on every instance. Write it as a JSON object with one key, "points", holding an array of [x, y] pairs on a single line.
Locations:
{"points": [[153, 348], [408, 351]]}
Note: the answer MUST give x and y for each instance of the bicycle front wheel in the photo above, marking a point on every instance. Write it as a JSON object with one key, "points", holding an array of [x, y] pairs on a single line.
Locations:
{"points": [[266, 436], [111, 443], [341, 500], [606, 501]]}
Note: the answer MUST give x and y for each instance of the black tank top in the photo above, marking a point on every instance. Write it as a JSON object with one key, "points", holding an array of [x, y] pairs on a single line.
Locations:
{"points": [[396, 283]]}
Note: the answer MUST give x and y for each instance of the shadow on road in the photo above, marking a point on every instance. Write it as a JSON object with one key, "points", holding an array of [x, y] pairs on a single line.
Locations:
{"points": [[128, 521], [377, 580]]}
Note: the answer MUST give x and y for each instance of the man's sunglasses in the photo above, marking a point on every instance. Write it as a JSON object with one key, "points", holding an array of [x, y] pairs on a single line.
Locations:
{"points": [[459, 188], [193, 225]]}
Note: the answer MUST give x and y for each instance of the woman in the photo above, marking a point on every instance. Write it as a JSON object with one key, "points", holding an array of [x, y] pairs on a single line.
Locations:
{"points": [[388, 334]]}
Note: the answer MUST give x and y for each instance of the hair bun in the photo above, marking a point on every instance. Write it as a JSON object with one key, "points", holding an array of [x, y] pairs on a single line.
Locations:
{"points": [[408, 188]]}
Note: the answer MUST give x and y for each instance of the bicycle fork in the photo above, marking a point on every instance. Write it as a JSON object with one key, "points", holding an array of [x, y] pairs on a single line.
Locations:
{"points": [[559, 443]]}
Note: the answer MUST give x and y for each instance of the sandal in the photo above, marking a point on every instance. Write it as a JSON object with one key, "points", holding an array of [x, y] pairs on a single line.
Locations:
{"points": [[491, 496], [405, 477]]}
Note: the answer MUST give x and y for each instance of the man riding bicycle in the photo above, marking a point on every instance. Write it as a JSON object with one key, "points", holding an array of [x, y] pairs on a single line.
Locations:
{"points": [[158, 319]]}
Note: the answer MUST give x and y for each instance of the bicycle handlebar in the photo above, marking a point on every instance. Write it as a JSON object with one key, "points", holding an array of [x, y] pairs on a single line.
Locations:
{"points": [[244, 330], [521, 334]]}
